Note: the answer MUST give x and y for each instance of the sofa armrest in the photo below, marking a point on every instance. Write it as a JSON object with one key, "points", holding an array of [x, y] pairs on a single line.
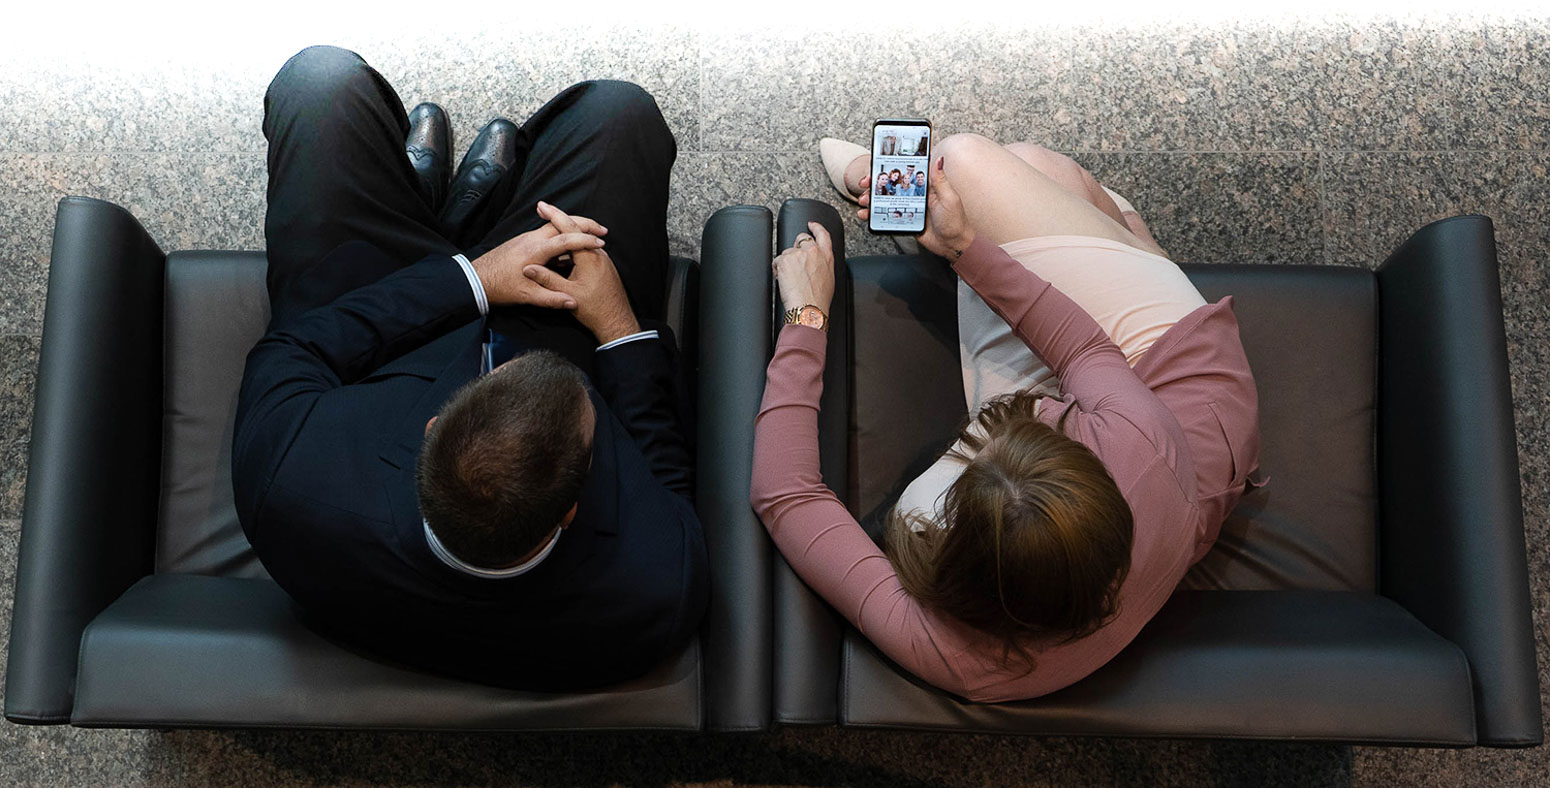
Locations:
{"points": [[808, 632], [734, 348], [1451, 515], [681, 313], [88, 527]]}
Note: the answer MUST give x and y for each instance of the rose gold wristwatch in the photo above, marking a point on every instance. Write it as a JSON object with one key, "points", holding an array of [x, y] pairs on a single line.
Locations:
{"points": [[808, 315]]}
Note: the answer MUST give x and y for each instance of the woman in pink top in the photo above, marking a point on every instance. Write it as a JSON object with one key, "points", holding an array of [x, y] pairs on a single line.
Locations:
{"points": [[1076, 515]]}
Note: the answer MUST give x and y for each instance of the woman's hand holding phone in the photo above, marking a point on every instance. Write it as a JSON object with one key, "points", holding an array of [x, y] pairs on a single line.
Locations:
{"points": [[948, 231]]}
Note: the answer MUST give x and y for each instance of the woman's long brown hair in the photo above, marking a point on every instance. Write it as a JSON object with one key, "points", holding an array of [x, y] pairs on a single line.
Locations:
{"points": [[1035, 540]]}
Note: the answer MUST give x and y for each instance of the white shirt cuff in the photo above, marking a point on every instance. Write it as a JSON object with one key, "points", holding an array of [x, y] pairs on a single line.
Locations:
{"points": [[652, 334], [473, 282]]}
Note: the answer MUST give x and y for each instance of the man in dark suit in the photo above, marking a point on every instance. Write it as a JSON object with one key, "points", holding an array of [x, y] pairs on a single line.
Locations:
{"points": [[452, 449]]}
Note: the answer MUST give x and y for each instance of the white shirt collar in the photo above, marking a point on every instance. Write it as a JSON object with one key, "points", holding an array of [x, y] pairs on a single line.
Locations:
{"points": [[459, 564]]}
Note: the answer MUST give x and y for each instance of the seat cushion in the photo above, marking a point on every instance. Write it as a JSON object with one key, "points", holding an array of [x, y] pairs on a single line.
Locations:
{"points": [[1310, 335], [907, 401], [1321, 665], [186, 650]]}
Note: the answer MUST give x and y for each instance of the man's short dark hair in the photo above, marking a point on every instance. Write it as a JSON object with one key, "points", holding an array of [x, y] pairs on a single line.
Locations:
{"points": [[506, 459]]}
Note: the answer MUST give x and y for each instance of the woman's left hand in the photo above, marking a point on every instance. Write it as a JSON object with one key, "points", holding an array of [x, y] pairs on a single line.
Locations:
{"points": [[805, 272]]}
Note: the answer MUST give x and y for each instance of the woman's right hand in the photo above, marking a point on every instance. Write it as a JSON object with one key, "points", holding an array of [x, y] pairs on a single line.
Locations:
{"points": [[805, 272], [948, 232]]}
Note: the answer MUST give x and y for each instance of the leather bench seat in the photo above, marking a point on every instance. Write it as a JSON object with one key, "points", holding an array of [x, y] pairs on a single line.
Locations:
{"points": [[193, 651], [141, 604], [1280, 656], [1302, 622], [1269, 664]]}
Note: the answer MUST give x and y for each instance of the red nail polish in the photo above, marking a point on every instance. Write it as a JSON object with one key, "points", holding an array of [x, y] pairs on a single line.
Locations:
{"points": [[939, 163]]}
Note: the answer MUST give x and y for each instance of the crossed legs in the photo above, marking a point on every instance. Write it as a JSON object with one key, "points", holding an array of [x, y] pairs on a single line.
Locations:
{"points": [[338, 173], [1024, 190]]}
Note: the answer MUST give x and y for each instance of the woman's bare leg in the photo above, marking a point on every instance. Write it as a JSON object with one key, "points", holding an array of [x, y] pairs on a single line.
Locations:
{"points": [[1065, 171], [1008, 199], [1056, 170]]}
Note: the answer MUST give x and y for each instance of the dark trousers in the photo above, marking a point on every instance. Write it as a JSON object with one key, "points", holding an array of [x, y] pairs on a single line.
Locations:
{"points": [[338, 173]]}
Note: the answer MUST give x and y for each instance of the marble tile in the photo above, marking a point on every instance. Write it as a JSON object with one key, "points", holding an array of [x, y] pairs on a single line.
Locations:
{"points": [[512, 71], [10, 539], [185, 201], [770, 90], [1495, 76], [1450, 768], [139, 105], [1221, 207], [1173, 87], [706, 182], [1373, 201], [18, 377], [1257, 86], [1369, 94]]}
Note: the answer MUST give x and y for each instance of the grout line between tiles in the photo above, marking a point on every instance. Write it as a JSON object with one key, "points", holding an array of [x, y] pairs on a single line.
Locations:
{"points": [[1323, 219]]}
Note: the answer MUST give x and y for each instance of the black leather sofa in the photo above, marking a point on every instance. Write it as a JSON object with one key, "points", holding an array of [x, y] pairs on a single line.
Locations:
{"points": [[1375, 591], [138, 600]]}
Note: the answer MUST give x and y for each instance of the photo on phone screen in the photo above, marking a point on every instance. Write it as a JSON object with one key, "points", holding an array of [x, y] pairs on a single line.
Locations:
{"points": [[901, 156]]}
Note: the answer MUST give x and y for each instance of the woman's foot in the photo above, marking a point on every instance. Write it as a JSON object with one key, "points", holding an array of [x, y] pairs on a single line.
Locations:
{"points": [[846, 163]]}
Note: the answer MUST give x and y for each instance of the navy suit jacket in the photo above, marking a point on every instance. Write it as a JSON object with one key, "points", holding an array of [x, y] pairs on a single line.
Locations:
{"points": [[330, 418]]}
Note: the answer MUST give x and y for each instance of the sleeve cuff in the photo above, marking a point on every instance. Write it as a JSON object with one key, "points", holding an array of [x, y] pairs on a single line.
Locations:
{"points": [[651, 334], [474, 283]]}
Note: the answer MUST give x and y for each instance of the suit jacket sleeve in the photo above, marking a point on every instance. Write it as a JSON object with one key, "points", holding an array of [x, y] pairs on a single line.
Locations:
{"points": [[637, 379], [331, 346]]}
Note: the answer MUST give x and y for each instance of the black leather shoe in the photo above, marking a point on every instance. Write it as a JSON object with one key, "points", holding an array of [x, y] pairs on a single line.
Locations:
{"points": [[430, 152], [492, 154]]}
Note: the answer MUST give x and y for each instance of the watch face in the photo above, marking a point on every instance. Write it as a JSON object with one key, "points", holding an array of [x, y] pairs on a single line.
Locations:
{"points": [[811, 316]]}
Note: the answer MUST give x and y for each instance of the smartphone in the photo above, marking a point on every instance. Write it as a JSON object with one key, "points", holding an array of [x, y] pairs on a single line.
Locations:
{"points": [[901, 164]]}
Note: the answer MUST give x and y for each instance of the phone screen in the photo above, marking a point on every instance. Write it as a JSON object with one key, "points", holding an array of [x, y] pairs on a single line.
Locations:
{"points": [[901, 156]]}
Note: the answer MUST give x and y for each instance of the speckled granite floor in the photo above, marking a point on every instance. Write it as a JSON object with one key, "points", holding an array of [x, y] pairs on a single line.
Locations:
{"points": [[1308, 143]]}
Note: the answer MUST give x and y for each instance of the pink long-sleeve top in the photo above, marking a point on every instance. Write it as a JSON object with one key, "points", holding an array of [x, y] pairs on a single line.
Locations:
{"points": [[1178, 433]]}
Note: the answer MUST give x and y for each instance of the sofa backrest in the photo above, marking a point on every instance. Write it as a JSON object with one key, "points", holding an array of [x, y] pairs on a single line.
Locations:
{"points": [[1311, 337], [216, 309]]}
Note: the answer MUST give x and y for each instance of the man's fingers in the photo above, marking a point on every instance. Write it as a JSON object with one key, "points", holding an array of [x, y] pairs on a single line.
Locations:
{"points": [[825, 243], [561, 220], [553, 284], [569, 242], [589, 226], [549, 299], [568, 223]]}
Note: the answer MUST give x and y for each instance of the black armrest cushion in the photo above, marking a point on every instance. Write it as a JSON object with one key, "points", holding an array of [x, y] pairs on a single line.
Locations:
{"points": [[809, 634], [733, 351], [88, 526], [1451, 514]]}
